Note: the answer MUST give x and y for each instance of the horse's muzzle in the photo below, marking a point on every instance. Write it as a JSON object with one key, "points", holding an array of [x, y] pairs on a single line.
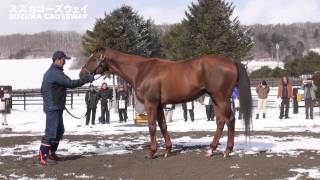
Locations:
{"points": [[82, 73]]}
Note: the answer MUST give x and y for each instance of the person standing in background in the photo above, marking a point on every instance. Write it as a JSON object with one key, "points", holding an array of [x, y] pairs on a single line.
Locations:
{"points": [[4, 106], [105, 96], [122, 98], [309, 96], [285, 93], [188, 106], [262, 90], [168, 112], [235, 102], [91, 102], [209, 107]]}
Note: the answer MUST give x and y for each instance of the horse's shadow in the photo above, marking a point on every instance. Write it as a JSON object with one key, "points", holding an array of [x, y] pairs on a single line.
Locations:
{"points": [[177, 150], [71, 157]]}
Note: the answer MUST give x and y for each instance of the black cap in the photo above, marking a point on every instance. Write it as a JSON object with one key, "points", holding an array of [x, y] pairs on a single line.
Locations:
{"points": [[264, 82], [59, 55]]}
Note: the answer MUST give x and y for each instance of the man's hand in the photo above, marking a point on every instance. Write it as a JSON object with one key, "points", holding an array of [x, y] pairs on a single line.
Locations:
{"points": [[88, 78]]}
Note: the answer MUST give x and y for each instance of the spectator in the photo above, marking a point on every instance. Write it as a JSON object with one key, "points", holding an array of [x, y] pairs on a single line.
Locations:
{"points": [[105, 95], [209, 107], [309, 96], [92, 99], [168, 112], [54, 85], [4, 106], [235, 101], [122, 97], [262, 90], [189, 106], [285, 93]]}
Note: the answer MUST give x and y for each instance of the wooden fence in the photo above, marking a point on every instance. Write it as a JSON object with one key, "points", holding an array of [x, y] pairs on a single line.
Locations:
{"points": [[34, 97]]}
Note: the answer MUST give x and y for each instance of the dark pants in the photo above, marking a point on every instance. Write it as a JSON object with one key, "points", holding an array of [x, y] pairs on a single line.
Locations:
{"points": [[54, 127], [185, 114], [123, 115], [285, 102], [89, 110], [309, 108], [105, 114], [210, 112]]}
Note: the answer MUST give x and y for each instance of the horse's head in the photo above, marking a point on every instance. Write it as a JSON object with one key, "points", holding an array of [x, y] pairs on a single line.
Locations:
{"points": [[97, 63]]}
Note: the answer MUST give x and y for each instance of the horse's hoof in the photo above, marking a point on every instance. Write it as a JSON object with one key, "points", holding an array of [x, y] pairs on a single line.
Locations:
{"points": [[150, 155], [226, 155], [147, 156], [211, 152]]}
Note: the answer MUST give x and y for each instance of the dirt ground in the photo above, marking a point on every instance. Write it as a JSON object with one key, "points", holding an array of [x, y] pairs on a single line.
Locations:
{"points": [[184, 163]]}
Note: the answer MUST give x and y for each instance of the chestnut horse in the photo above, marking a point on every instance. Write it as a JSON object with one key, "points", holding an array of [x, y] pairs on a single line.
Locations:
{"points": [[158, 82]]}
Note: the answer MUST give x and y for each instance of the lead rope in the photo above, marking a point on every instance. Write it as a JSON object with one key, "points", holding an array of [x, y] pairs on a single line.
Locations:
{"points": [[75, 116]]}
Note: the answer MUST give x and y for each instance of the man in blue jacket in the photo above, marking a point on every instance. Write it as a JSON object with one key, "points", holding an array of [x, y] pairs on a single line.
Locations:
{"points": [[54, 85]]}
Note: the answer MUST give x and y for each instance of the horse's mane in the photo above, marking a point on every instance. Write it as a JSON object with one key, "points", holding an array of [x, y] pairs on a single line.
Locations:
{"points": [[99, 49]]}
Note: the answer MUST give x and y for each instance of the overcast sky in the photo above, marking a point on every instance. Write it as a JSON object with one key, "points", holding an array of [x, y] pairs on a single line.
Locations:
{"points": [[161, 11]]}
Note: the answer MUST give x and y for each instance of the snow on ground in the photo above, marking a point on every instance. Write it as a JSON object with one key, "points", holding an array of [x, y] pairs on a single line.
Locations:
{"points": [[32, 123]]}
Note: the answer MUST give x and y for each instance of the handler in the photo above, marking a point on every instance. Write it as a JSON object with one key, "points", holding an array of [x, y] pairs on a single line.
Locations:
{"points": [[53, 89]]}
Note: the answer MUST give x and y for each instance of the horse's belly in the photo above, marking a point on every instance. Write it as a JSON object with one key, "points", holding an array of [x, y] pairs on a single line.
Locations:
{"points": [[180, 94]]}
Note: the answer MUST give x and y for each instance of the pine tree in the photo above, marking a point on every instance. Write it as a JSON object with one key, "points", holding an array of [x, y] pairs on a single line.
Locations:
{"points": [[123, 30], [209, 29]]}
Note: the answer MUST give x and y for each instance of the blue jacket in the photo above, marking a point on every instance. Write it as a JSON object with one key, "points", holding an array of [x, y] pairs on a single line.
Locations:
{"points": [[313, 89], [53, 89], [235, 93]]}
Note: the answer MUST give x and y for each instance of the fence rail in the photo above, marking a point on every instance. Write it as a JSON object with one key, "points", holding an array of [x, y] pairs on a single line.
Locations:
{"points": [[34, 97]]}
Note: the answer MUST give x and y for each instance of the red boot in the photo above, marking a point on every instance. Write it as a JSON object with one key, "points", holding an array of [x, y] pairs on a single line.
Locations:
{"points": [[44, 155]]}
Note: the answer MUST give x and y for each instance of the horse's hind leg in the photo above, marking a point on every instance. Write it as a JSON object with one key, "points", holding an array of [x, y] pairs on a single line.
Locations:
{"points": [[163, 127], [230, 143]]}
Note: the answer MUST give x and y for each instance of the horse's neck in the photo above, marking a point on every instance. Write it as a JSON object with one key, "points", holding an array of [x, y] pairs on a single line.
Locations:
{"points": [[125, 65]]}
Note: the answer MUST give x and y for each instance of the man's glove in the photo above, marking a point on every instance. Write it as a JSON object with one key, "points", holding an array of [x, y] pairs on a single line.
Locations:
{"points": [[88, 78]]}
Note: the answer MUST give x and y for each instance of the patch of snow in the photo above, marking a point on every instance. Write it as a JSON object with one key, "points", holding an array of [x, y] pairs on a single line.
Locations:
{"points": [[311, 173], [259, 63], [236, 166], [83, 176]]}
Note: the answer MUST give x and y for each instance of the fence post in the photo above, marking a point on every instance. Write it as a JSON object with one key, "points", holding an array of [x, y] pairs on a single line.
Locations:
{"points": [[295, 101], [24, 101], [71, 100]]}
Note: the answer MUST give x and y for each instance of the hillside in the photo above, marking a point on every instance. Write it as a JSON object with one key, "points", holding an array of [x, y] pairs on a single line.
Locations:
{"points": [[39, 45], [293, 39]]}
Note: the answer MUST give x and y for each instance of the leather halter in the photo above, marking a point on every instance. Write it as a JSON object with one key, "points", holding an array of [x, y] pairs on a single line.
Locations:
{"points": [[101, 63]]}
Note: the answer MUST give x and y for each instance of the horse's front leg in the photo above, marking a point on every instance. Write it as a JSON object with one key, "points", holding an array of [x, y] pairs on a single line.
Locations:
{"points": [[220, 122], [163, 127], [151, 110]]}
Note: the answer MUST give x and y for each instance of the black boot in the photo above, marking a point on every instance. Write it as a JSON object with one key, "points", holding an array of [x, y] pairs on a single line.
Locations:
{"points": [[53, 150], [264, 115], [257, 117]]}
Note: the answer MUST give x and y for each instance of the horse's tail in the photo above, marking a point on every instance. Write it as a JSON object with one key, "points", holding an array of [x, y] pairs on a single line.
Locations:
{"points": [[245, 97]]}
